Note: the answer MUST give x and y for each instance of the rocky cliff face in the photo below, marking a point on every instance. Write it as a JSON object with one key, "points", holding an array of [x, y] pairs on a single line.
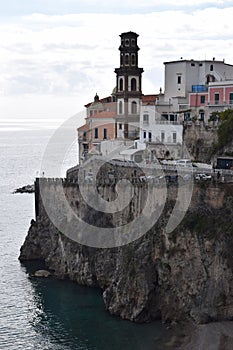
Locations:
{"points": [[185, 274], [199, 139]]}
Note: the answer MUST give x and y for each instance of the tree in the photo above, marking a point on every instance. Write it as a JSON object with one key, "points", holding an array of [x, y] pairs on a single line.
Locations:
{"points": [[225, 129]]}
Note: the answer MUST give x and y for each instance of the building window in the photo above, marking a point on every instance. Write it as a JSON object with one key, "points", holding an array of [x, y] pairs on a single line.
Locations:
{"points": [[231, 98], [187, 116], [202, 99], [133, 84], [179, 79], [133, 59], [84, 136], [193, 64], [162, 136], [211, 68], [127, 42], [96, 133], [121, 59], [146, 119], [210, 78], [133, 42], [144, 134], [120, 107], [120, 126], [202, 116], [216, 98], [91, 113], [126, 59], [172, 117], [164, 116], [85, 148], [121, 84], [200, 64], [105, 133], [149, 136], [133, 107], [174, 137]]}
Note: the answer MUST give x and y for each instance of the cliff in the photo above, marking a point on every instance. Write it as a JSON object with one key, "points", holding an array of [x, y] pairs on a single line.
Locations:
{"points": [[182, 275]]}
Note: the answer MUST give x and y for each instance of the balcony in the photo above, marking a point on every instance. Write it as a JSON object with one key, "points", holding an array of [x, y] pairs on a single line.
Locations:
{"points": [[199, 88], [167, 122], [220, 103], [131, 135], [83, 139]]}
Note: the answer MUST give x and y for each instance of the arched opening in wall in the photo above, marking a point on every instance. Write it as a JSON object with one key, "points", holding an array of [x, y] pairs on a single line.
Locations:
{"points": [[134, 107], [201, 115], [120, 107], [210, 78], [126, 59], [122, 59], [133, 59], [133, 84], [126, 42], [121, 84]]}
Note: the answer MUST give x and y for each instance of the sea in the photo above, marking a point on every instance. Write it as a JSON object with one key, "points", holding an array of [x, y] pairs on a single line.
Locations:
{"points": [[48, 313]]}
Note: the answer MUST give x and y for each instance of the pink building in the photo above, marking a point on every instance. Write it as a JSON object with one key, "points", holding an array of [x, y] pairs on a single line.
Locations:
{"points": [[217, 97]]}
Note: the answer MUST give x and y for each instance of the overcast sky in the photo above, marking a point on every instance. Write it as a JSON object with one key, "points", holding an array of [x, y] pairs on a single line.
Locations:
{"points": [[56, 54]]}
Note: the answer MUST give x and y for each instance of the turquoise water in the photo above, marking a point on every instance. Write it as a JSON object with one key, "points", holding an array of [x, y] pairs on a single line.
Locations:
{"points": [[47, 313]]}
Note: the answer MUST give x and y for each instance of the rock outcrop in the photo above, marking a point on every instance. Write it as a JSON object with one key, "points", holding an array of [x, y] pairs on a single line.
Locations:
{"points": [[182, 275], [25, 189], [42, 273]]}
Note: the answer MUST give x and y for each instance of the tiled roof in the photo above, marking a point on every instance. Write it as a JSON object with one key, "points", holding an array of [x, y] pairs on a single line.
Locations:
{"points": [[84, 127], [101, 115], [148, 99], [101, 100], [104, 114]]}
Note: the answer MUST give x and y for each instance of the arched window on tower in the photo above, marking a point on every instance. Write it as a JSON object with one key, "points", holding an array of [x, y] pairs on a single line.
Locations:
{"points": [[121, 59], [120, 107], [126, 59], [133, 59], [133, 107], [126, 42], [133, 84], [121, 84]]}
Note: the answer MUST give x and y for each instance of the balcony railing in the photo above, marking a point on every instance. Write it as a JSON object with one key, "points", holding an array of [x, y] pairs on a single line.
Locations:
{"points": [[83, 139], [220, 103], [167, 122], [199, 88], [131, 135]]}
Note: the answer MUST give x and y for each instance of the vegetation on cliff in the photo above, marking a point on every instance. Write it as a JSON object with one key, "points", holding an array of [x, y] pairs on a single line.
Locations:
{"points": [[225, 129]]}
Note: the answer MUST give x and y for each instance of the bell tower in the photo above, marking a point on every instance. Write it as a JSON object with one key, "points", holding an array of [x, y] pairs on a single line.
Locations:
{"points": [[128, 88]]}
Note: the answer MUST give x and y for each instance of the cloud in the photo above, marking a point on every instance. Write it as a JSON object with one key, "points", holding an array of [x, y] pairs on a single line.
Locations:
{"points": [[61, 7], [76, 54]]}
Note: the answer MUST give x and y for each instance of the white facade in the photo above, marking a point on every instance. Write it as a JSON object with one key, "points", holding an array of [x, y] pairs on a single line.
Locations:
{"points": [[156, 129], [181, 76]]}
